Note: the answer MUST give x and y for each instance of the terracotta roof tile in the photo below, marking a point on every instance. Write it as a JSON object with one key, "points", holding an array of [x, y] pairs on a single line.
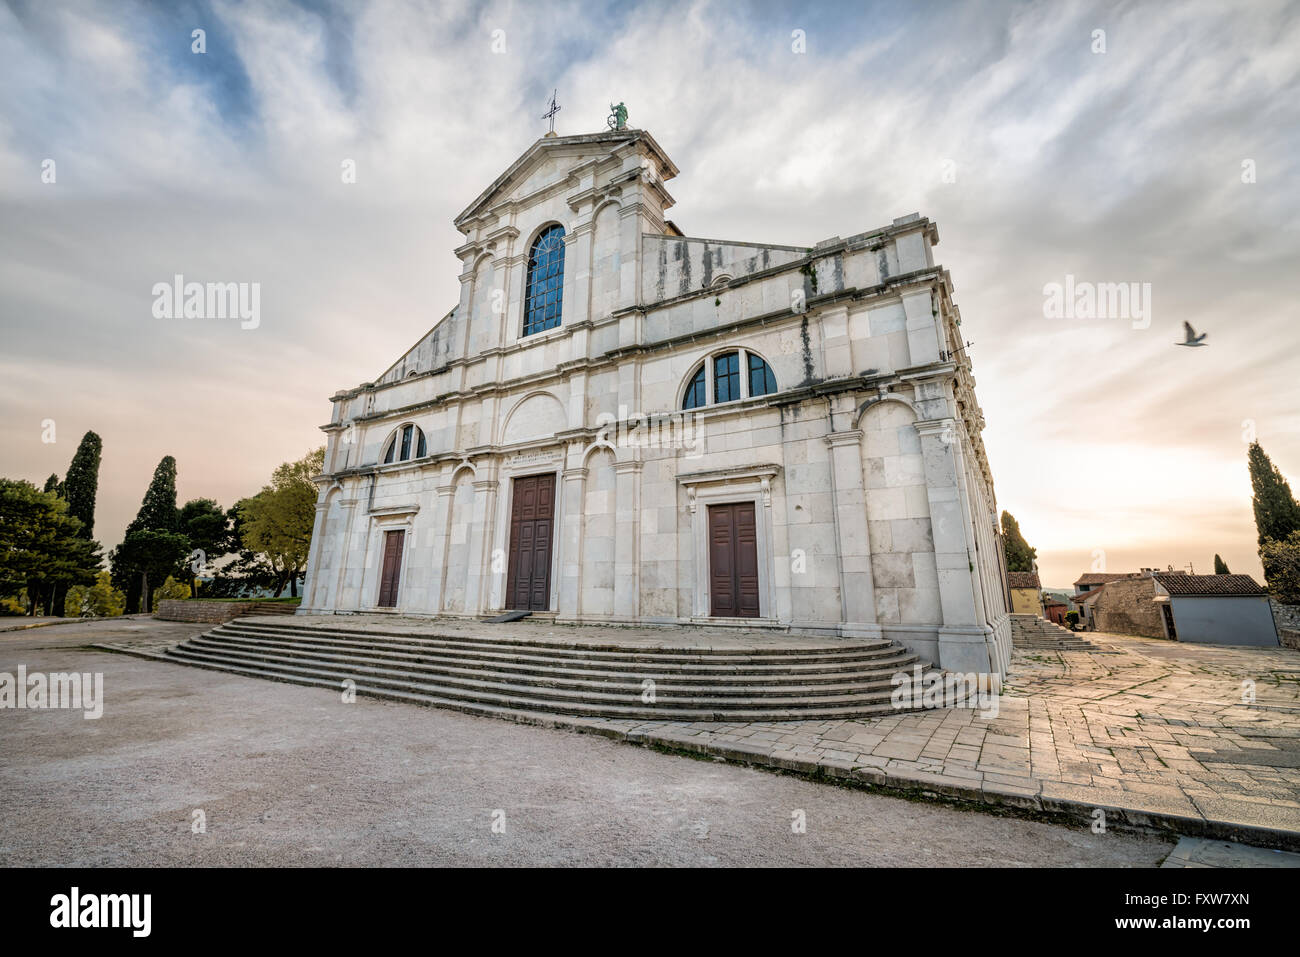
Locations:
{"points": [[1100, 578], [1023, 580], [1210, 584]]}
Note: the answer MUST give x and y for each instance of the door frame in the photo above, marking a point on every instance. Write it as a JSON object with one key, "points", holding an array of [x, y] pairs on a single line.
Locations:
{"points": [[499, 599], [399, 518], [753, 486], [401, 568], [712, 510]]}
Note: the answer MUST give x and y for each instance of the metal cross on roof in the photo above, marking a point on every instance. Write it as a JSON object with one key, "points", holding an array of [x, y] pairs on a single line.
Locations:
{"points": [[550, 114]]}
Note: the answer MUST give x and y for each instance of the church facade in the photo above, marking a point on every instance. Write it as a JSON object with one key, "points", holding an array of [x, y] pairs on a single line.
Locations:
{"points": [[619, 423]]}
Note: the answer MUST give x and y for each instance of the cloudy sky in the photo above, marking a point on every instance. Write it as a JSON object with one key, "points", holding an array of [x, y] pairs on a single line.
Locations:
{"points": [[1039, 156]]}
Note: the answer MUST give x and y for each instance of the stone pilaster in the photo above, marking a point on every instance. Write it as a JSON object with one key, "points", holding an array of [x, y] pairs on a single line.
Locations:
{"points": [[573, 493], [314, 552], [480, 546], [857, 588], [440, 543], [963, 638], [922, 327], [627, 546]]}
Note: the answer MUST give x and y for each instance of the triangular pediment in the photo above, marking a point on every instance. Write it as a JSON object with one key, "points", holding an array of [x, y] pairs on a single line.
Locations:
{"points": [[543, 162]]}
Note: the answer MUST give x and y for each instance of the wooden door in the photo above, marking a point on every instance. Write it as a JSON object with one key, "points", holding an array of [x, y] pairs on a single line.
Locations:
{"points": [[733, 561], [528, 568], [391, 575]]}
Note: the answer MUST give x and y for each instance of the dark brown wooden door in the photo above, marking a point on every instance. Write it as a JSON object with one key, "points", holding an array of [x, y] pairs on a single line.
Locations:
{"points": [[528, 569], [733, 561], [391, 575]]}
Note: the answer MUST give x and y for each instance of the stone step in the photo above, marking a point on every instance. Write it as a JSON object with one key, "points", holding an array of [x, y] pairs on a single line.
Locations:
{"points": [[792, 699], [666, 683], [781, 681], [558, 656], [743, 710], [805, 674], [845, 648]]}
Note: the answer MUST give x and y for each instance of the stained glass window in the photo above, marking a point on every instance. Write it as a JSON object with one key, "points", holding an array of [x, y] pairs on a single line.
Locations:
{"points": [[543, 300]]}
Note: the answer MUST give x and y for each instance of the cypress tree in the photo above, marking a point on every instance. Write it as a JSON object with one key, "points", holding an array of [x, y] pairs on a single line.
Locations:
{"points": [[158, 511], [1220, 566], [83, 482], [158, 514], [1277, 514], [1020, 556]]}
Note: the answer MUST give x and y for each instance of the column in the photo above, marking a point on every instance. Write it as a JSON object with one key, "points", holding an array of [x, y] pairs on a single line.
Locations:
{"points": [[627, 547], [963, 639], [442, 538], [313, 554], [857, 587], [480, 547], [570, 541]]}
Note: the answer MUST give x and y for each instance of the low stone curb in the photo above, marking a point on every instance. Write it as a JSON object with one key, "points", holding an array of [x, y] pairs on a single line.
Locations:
{"points": [[68, 621], [1045, 800]]}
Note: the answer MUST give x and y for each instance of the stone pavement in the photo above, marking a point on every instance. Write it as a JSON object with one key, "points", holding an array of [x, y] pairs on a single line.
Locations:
{"points": [[1198, 852], [1154, 733], [1197, 739]]}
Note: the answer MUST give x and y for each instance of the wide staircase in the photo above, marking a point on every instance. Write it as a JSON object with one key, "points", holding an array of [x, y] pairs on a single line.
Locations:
{"points": [[1034, 633], [487, 675]]}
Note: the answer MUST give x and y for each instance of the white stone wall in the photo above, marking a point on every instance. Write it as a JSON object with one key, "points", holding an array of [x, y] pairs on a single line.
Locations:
{"points": [[872, 495]]}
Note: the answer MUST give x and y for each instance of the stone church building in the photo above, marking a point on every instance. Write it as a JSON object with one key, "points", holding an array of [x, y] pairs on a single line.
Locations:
{"points": [[621, 423]]}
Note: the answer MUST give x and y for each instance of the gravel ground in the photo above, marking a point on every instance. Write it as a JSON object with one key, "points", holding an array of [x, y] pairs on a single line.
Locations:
{"points": [[293, 776]]}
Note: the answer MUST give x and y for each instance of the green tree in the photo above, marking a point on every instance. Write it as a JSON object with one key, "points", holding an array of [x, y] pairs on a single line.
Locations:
{"points": [[82, 482], [1220, 566], [158, 510], [1281, 560], [154, 524], [149, 557], [1277, 514], [207, 527], [41, 544], [1020, 556], [100, 600], [170, 588], [79, 488], [277, 521]]}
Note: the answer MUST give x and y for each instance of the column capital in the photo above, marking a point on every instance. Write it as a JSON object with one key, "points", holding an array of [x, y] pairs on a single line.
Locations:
{"points": [[846, 437]]}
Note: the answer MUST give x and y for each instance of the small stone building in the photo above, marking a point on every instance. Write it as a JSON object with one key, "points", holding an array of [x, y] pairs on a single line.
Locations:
{"points": [[1216, 609], [1126, 606], [1026, 593], [618, 422]]}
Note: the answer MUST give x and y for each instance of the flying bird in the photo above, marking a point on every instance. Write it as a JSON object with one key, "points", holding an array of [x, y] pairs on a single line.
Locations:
{"points": [[1192, 339]]}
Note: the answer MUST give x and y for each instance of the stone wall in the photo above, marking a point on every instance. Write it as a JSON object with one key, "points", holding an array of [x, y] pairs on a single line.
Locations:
{"points": [[1127, 607], [1289, 637], [1285, 616], [206, 612]]}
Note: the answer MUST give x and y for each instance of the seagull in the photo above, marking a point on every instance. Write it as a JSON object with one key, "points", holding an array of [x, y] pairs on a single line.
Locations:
{"points": [[1192, 339]]}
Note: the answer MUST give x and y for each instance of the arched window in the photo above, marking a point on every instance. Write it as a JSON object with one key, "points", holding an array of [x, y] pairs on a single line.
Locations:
{"points": [[727, 377], [761, 380], [695, 392], [407, 442], [542, 301]]}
